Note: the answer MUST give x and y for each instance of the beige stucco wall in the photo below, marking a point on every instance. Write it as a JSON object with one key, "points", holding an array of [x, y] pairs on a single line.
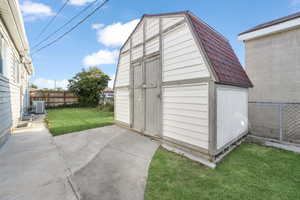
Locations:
{"points": [[273, 65]]}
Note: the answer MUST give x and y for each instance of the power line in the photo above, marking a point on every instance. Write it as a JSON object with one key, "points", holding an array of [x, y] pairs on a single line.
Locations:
{"points": [[52, 19], [73, 28], [65, 24]]}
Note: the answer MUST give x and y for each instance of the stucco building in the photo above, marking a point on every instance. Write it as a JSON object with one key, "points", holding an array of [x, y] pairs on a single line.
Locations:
{"points": [[272, 58]]}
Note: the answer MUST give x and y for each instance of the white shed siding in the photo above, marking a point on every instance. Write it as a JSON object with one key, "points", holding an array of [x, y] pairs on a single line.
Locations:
{"points": [[137, 52], [126, 46], [137, 36], [185, 113], [152, 27], [122, 105], [181, 57], [123, 70], [152, 46], [232, 113], [169, 21]]}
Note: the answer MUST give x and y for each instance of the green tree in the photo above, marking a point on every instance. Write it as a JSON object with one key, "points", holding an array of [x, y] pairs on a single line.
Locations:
{"points": [[88, 85], [33, 86]]}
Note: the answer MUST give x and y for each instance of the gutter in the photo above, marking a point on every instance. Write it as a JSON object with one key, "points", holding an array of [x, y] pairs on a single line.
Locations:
{"points": [[18, 22]]}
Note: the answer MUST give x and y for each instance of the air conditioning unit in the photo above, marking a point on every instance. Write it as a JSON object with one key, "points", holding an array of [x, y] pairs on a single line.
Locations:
{"points": [[39, 107]]}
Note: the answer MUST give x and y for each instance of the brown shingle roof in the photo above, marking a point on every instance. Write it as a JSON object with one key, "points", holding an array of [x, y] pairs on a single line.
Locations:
{"points": [[220, 54], [273, 22]]}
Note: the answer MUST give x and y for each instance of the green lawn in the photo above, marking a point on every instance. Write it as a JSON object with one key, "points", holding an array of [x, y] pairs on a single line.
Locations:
{"points": [[249, 172], [66, 120]]}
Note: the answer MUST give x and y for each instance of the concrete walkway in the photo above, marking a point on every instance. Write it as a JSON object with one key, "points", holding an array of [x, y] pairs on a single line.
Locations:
{"points": [[109, 163], [31, 167]]}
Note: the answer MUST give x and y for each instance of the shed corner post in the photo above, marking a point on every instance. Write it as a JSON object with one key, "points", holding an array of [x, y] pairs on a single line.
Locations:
{"points": [[161, 76], [131, 87], [212, 115]]}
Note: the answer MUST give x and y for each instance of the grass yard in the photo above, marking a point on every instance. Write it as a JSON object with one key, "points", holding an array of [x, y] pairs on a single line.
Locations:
{"points": [[66, 120], [249, 172]]}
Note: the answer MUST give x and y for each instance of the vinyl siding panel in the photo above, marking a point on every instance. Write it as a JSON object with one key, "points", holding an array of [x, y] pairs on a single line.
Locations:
{"points": [[185, 113], [13, 84], [5, 106], [232, 113], [152, 46], [152, 27], [169, 21], [137, 36], [181, 57], [126, 46], [137, 52], [123, 70], [122, 105]]}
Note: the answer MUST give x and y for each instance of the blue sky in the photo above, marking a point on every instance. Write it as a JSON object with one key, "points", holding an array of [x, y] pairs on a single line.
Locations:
{"points": [[97, 41]]}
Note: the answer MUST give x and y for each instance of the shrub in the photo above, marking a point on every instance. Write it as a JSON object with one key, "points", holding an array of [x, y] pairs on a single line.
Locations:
{"points": [[108, 107]]}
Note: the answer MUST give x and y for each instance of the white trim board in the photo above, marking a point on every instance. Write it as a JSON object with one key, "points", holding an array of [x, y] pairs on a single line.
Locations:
{"points": [[270, 30]]}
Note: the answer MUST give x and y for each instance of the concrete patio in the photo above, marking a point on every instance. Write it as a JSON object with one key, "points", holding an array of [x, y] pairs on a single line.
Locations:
{"points": [[102, 163]]}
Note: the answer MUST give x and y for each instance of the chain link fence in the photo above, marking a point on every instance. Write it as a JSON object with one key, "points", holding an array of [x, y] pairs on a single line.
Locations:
{"points": [[279, 121]]}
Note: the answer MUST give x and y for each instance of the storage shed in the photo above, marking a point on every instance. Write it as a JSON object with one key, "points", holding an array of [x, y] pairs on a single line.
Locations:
{"points": [[180, 81]]}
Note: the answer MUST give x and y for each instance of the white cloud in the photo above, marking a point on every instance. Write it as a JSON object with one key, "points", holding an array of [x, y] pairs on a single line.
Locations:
{"points": [[101, 57], [115, 35], [32, 10], [97, 26], [80, 2], [111, 82], [50, 84]]}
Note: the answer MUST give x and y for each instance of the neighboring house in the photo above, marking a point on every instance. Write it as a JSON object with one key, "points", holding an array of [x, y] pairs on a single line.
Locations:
{"points": [[272, 52], [179, 80], [15, 67], [108, 93]]}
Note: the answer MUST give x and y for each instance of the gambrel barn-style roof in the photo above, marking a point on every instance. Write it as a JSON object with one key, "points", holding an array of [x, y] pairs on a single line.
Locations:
{"points": [[224, 64], [220, 54]]}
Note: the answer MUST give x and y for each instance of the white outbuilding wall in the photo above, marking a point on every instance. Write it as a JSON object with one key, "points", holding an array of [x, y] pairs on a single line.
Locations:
{"points": [[232, 113], [175, 91], [185, 113], [184, 106]]}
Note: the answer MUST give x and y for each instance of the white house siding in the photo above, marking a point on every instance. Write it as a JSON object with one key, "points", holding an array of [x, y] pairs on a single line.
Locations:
{"points": [[169, 21], [123, 70], [13, 83], [152, 27], [152, 46], [185, 113], [232, 113], [137, 36], [5, 106], [181, 58], [122, 113]]}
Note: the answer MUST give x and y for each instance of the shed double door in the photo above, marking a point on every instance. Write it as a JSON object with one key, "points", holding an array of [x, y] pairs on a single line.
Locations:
{"points": [[147, 97]]}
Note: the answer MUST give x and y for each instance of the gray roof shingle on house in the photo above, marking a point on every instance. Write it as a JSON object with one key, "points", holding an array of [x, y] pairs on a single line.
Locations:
{"points": [[273, 22]]}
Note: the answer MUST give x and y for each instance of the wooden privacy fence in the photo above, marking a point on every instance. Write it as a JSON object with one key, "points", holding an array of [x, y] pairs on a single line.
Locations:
{"points": [[53, 98]]}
